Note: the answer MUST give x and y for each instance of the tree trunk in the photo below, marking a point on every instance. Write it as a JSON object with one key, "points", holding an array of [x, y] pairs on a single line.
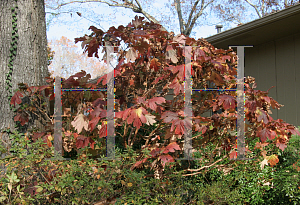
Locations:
{"points": [[29, 65]]}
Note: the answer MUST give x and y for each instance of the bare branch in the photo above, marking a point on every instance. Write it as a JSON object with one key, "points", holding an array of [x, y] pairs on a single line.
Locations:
{"points": [[254, 6], [204, 167], [179, 13], [127, 4], [192, 12], [188, 31]]}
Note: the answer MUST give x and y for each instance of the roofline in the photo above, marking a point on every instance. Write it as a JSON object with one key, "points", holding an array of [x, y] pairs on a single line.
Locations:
{"points": [[290, 11]]}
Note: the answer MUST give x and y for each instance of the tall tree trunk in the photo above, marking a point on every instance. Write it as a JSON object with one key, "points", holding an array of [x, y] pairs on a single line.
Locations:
{"points": [[30, 61]]}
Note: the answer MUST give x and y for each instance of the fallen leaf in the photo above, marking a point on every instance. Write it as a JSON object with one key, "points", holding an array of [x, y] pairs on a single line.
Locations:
{"points": [[263, 163]]}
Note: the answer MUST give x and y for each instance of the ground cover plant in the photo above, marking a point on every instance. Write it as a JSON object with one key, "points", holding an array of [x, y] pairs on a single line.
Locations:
{"points": [[150, 131]]}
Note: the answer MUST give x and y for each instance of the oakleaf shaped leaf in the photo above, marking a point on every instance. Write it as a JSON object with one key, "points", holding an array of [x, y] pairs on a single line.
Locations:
{"points": [[273, 160], [22, 117], [233, 155], [227, 101], [103, 129], [150, 119], [171, 148], [177, 86], [16, 98], [80, 122], [158, 100], [179, 39], [154, 64], [166, 158], [171, 54], [263, 163], [136, 116], [94, 122], [266, 133], [262, 116], [168, 116], [131, 55], [280, 143]]}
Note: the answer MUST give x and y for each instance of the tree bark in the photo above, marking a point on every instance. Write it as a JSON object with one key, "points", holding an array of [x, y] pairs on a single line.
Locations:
{"points": [[30, 62]]}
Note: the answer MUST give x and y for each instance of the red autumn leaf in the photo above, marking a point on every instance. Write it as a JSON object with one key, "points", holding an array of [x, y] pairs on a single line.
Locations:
{"points": [[273, 160], [169, 116], [47, 140], [199, 53], [155, 152], [22, 117], [171, 148], [227, 101], [93, 48], [92, 142], [180, 124], [137, 117], [203, 129], [137, 164], [281, 143], [93, 123], [154, 64], [233, 155], [251, 105], [157, 79], [165, 159], [131, 82], [37, 135], [16, 98], [96, 112], [260, 145], [152, 102], [177, 86], [140, 100], [175, 69], [217, 79], [262, 116], [103, 79], [123, 114], [103, 130], [293, 130], [266, 133], [99, 101], [33, 89], [82, 142]]}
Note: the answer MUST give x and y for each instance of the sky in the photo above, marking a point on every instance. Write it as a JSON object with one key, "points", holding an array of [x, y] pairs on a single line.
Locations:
{"points": [[75, 26]]}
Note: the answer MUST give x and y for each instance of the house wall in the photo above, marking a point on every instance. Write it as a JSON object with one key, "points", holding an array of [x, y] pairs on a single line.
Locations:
{"points": [[277, 63]]}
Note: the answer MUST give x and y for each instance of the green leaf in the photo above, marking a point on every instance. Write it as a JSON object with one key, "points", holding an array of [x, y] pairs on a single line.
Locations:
{"points": [[39, 189]]}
